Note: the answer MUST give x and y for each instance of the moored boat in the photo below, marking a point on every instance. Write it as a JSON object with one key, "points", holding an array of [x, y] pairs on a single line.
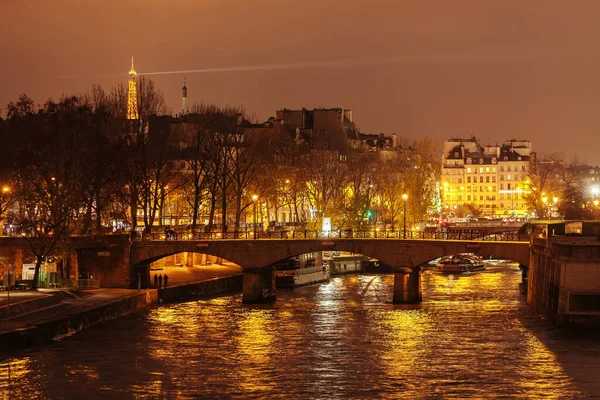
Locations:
{"points": [[464, 262], [302, 276], [301, 270]]}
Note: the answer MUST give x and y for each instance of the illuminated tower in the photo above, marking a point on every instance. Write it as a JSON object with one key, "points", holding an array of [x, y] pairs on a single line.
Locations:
{"points": [[132, 106], [184, 105]]}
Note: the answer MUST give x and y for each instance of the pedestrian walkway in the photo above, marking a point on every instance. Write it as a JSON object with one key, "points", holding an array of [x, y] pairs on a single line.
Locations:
{"points": [[91, 298], [63, 309], [180, 275]]}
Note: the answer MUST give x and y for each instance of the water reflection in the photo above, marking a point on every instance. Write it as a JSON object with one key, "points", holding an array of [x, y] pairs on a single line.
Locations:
{"points": [[254, 349], [405, 335], [472, 337]]}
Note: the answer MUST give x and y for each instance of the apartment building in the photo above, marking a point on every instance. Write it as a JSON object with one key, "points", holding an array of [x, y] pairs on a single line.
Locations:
{"points": [[492, 178]]}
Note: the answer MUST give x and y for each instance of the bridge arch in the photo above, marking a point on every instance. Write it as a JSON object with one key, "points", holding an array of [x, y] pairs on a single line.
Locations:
{"points": [[256, 257], [258, 254]]}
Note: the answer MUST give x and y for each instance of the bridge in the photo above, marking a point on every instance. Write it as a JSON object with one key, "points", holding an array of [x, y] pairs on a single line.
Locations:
{"points": [[117, 260], [258, 257]]}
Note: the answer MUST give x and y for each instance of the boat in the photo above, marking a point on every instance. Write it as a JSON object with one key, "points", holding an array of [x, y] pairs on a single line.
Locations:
{"points": [[302, 276], [463, 262], [302, 270], [344, 263]]}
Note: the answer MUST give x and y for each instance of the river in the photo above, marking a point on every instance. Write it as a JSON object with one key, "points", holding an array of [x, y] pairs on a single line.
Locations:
{"points": [[472, 337]]}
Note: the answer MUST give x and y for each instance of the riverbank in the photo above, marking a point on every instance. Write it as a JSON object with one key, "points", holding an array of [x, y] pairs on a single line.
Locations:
{"points": [[29, 318], [71, 316]]}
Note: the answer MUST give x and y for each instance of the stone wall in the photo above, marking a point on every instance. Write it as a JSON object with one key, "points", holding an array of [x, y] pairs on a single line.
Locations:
{"points": [[217, 286], [564, 279], [61, 326]]}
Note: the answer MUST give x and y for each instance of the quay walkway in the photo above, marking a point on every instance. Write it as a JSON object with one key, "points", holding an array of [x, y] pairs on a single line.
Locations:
{"points": [[22, 311]]}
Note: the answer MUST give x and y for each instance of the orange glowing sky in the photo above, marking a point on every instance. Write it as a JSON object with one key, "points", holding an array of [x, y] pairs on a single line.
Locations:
{"points": [[495, 69]]}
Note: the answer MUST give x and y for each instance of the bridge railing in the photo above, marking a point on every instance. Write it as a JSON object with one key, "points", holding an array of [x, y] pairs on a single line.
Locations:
{"points": [[341, 234]]}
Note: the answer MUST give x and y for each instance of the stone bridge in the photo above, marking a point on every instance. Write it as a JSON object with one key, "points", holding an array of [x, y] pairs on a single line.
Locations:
{"points": [[257, 257], [116, 261], [252, 254]]}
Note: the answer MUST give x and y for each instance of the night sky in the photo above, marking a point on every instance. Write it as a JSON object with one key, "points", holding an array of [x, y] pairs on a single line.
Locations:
{"points": [[494, 69]]}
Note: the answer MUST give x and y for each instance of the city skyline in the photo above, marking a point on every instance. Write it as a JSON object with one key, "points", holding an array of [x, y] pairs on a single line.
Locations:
{"points": [[493, 70]]}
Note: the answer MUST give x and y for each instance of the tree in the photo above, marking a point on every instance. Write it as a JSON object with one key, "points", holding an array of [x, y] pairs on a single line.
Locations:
{"points": [[423, 171], [48, 185], [141, 166], [325, 178], [197, 160], [7, 175], [544, 178], [360, 190]]}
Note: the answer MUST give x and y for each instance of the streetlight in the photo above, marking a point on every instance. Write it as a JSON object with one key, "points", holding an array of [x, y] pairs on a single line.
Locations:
{"points": [[544, 200], [404, 197], [254, 198]]}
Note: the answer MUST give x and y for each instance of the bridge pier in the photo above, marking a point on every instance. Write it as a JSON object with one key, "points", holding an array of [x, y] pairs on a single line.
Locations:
{"points": [[407, 285], [140, 272], [259, 285]]}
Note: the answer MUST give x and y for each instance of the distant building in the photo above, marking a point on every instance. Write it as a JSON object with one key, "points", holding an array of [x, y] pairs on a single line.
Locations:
{"points": [[587, 178], [321, 128], [492, 178]]}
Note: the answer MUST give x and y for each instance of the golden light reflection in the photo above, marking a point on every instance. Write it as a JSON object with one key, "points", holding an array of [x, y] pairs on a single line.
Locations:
{"points": [[167, 316], [405, 341], [19, 369], [254, 345], [14, 371], [85, 371]]}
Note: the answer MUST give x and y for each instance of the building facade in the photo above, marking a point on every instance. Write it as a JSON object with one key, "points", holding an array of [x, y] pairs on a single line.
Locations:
{"points": [[492, 179]]}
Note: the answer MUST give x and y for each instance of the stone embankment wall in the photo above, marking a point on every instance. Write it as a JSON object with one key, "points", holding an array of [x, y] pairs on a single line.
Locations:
{"points": [[564, 279], [62, 326], [28, 306], [213, 287]]}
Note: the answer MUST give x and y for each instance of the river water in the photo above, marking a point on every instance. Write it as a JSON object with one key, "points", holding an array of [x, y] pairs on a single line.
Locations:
{"points": [[472, 337]]}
